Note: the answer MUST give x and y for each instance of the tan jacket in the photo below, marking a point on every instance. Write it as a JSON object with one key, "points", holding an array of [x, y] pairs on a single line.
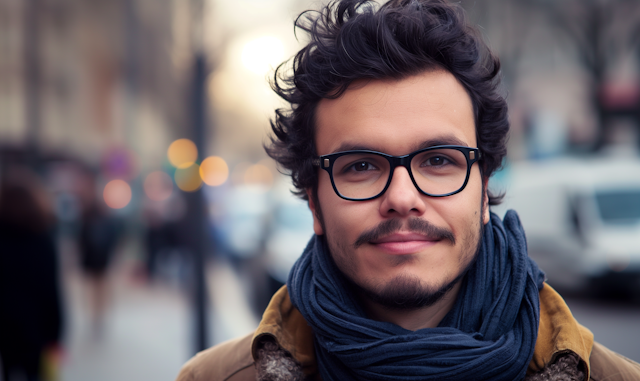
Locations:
{"points": [[558, 333]]}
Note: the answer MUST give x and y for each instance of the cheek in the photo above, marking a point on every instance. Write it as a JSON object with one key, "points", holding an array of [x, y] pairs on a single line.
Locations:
{"points": [[344, 220], [462, 212]]}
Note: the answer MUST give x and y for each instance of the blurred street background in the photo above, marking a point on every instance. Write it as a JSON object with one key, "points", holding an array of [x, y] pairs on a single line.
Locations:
{"points": [[141, 220]]}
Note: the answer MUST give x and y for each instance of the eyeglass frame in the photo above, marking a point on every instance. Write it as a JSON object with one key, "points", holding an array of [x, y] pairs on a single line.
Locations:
{"points": [[326, 162]]}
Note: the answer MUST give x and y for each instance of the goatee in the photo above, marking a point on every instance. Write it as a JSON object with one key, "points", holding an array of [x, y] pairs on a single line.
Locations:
{"points": [[408, 292]]}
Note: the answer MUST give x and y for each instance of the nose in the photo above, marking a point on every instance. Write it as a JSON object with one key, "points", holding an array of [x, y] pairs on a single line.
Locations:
{"points": [[402, 198]]}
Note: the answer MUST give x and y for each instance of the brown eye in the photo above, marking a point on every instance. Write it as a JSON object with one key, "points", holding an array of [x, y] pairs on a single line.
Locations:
{"points": [[362, 166], [437, 161]]}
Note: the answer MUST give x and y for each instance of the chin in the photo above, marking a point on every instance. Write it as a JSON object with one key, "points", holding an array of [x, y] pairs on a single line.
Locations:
{"points": [[406, 292]]}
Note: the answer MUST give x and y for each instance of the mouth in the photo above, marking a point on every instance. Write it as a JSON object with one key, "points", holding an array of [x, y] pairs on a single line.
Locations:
{"points": [[404, 243]]}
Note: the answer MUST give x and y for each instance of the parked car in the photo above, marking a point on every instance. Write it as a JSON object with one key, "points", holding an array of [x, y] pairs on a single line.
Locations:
{"points": [[581, 218]]}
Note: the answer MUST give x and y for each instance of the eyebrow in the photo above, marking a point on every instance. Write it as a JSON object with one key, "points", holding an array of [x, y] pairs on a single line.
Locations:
{"points": [[438, 141], [441, 141]]}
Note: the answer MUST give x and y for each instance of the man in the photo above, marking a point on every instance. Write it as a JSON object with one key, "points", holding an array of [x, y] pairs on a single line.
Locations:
{"points": [[396, 125]]}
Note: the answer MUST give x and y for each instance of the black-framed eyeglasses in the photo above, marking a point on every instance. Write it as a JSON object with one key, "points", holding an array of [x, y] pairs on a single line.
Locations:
{"points": [[362, 175]]}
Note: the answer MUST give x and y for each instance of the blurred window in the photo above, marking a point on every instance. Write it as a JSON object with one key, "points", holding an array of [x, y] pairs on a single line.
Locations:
{"points": [[619, 206]]}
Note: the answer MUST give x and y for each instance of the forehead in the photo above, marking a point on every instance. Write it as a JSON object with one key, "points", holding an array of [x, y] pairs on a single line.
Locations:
{"points": [[397, 116]]}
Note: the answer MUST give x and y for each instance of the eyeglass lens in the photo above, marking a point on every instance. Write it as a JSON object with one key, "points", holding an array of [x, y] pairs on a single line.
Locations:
{"points": [[364, 175]]}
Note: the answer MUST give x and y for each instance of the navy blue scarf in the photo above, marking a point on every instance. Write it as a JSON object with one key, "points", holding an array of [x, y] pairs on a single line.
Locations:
{"points": [[489, 334]]}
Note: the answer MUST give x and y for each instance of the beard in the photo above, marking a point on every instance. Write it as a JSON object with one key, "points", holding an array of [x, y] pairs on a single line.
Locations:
{"points": [[404, 292]]}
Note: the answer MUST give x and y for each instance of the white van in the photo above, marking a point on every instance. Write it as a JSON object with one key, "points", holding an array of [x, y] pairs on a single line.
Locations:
{"points": [[581, 218]]}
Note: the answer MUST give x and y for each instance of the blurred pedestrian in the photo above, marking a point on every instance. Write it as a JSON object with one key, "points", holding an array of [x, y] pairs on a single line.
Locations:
{"points": [[165, 239], [30, 300], [99, 234]]}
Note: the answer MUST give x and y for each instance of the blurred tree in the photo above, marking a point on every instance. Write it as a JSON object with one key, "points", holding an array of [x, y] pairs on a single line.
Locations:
{"points": [[599, 37], [605, 33]]}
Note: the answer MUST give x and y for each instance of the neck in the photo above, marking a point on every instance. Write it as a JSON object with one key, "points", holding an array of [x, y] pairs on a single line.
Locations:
{"points": [[415, 319]]}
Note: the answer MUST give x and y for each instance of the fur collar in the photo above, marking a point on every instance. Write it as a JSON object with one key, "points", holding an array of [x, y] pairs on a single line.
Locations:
{"points": [[276, 364]]}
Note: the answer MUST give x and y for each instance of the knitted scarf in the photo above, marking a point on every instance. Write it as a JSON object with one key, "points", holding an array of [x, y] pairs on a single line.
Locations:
{"points": [[489, 334]]}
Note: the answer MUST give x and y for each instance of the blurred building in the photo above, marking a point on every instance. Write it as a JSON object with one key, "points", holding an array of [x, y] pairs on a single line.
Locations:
{"points": [[82, 77]]}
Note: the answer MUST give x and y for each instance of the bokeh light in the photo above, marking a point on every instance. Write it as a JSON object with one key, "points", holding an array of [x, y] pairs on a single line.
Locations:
{"points": [[182, 153], [214, 171], [117, 194], [258, 174], [262, 54], [188, 179], [158, 186]]}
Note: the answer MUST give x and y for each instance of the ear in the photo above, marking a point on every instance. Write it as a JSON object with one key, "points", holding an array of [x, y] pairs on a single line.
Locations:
{"points": [[485, 203], [317, 226]]}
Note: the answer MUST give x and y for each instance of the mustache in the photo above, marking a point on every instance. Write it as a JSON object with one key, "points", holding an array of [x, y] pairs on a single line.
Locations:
{"points": [[414, 225]]}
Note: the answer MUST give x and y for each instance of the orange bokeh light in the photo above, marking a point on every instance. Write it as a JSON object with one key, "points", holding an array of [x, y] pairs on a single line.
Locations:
{"points": [[188, 179], [158, 186], [214, 171], [117, 194], [182, 153]]}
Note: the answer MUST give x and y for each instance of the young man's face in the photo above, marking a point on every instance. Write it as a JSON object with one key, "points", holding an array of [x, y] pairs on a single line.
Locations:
{"points": [[410, 262]]}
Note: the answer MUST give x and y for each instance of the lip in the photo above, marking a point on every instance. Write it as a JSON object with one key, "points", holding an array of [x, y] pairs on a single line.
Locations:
{"points": [[404, 243]]}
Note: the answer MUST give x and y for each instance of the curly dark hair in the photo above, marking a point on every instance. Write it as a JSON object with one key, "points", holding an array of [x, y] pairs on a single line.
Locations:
{"points": [[355, 39]]}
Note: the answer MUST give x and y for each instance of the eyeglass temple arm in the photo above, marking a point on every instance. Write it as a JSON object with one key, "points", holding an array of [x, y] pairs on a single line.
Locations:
{"points": [[317, 163]]}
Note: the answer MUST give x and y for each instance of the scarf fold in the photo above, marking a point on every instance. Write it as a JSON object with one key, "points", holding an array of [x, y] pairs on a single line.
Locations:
{"points": [[489, 334]]}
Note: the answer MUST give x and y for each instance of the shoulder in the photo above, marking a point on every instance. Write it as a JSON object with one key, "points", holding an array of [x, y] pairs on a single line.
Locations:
{"points": [[605, 364], [228, 361]]}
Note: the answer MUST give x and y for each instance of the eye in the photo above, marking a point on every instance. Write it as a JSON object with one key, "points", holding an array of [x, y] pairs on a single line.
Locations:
{"points": [[436, 161], [361, 166]]}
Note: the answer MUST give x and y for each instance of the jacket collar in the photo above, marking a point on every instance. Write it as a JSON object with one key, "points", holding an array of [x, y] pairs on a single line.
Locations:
{"points": [[559, 333], [283, 323]]}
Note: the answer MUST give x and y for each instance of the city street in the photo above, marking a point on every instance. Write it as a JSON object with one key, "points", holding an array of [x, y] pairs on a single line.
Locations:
{"points": [[163, 164]]}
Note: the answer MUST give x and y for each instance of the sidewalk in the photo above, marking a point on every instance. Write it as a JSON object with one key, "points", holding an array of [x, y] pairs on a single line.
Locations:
{"points": [[145, 335], [148, 329]]}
